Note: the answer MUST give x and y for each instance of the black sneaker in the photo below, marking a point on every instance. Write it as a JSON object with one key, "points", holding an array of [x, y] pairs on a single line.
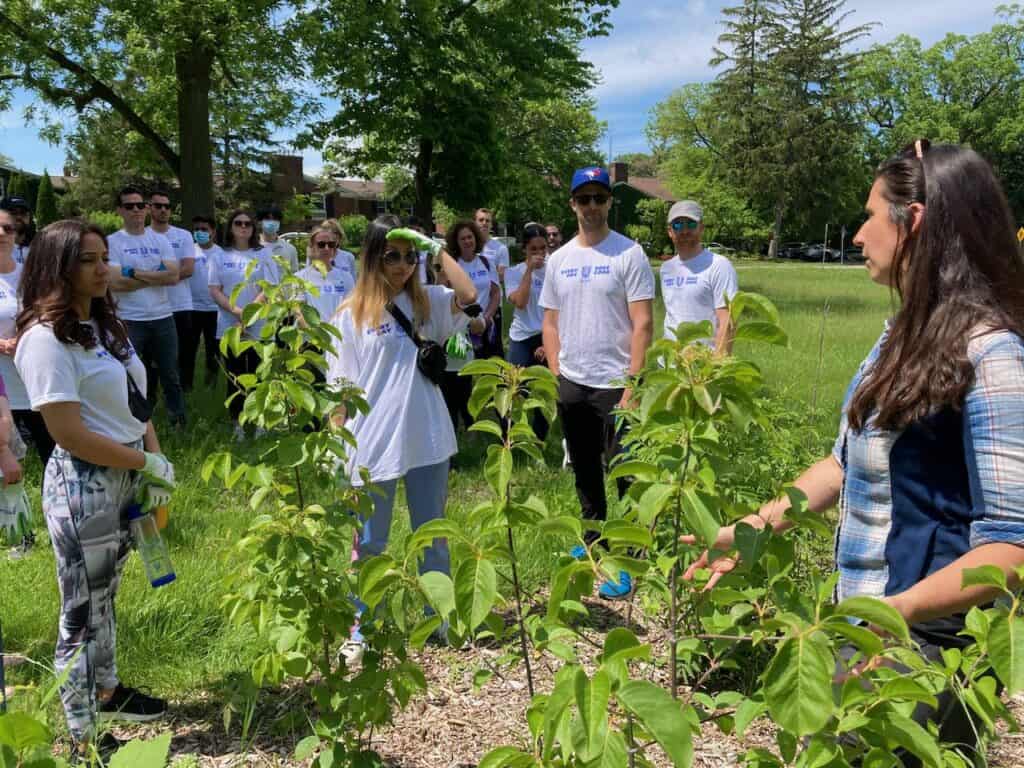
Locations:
{"points": [[104, 748], [132, 706]]}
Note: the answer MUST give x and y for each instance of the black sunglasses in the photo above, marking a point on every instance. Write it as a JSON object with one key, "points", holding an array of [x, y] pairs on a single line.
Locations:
{"points": [[161, 206], [587, 199], [326, 244], [245, 224], [134, 206], [393, 257]]}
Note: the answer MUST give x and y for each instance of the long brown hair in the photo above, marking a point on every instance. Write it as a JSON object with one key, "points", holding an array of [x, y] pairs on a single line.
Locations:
{"points": [[46, 293], [373, 291], [958, 276]]}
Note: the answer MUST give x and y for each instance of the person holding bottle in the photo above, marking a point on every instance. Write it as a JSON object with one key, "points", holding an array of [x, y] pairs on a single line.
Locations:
{"points": [[83, 375]]}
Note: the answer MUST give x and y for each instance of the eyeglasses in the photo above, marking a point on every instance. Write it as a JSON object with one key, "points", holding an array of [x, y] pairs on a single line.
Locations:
{"points": [[161, 206], [588, 199], [326, 244], [7, 229], [134, 206], [680, 224], [242, 224], [393, 257]]}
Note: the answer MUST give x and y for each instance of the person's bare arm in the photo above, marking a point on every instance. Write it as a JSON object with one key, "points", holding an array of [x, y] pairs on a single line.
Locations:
{"points": [[149, 440], [64, 423], [456, 277], [493, 302], [223, 301], [166, 276], [723, 336], [9, 465], [186, 268], [552, 344], [520, 297], [641, 316], [121, 284]]}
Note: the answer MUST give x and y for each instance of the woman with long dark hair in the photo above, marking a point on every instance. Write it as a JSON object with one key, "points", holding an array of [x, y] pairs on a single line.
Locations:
{"points": [[406, 434], [82, 374], [928, 467]]}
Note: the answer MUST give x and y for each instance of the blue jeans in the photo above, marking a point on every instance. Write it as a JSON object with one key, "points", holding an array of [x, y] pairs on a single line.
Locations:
{"points": [[426, 491], [156, 344], [521, 353]]}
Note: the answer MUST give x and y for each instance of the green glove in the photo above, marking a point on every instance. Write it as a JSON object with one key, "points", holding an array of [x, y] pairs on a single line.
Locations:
{"points": [[419, 241], [158, 470], [15, 513], [458, 346]]}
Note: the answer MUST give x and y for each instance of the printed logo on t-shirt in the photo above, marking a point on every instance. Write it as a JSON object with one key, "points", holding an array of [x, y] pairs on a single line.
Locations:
{"points": [[478, 273], [385, 329], [141, 250], [586, 272], [679, 282], [333, 288]]}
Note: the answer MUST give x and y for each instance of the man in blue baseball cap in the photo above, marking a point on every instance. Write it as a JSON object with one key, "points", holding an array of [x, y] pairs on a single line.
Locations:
{"points": [[598, 322]]}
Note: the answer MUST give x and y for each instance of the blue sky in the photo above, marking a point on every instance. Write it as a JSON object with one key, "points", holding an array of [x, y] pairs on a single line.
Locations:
{"points": [[655, 47]]}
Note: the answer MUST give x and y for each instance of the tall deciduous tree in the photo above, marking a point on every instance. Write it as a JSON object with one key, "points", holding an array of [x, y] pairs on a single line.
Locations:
{"points": [[432, 85], [157, 65]]}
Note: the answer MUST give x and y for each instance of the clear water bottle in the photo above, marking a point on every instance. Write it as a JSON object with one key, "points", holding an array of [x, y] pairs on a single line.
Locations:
{"points": [[151, 546]]}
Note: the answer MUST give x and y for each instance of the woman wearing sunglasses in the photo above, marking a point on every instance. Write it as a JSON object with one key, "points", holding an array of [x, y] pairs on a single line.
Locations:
{"points": [[333, 282], [407, 433], [227, 269], [928, 467]]}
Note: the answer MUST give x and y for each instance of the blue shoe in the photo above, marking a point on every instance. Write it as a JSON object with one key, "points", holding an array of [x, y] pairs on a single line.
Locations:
{"points": [[617, 590], [579, 552]]}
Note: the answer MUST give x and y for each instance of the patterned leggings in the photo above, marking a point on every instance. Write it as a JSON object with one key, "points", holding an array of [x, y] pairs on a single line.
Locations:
{"points": [[84, 505]]}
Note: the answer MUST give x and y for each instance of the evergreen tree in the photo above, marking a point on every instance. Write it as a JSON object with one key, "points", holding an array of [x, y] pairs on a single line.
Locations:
{"points": [[46, 202], [16, 185]]}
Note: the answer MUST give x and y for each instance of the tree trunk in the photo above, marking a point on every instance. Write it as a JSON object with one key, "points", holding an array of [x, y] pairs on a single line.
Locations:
{"points": [[423, 207], [196, 177], [773, 247]]}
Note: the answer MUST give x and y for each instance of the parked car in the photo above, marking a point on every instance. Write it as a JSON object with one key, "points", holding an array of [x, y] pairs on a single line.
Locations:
{"points": [[819, 254], [722, 250], [791, 250]]}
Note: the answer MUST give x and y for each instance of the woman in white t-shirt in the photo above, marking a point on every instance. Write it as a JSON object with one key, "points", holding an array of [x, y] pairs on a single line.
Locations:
{"points": [[343, 260], [226, 270], [78, 366], [523, 284], [406, 434], [333, 282]]}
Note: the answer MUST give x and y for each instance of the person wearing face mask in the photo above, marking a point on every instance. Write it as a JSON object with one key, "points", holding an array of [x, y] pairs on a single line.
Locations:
{"points": [[406, 434], [203, 318], [270, 219], [697, 284]]}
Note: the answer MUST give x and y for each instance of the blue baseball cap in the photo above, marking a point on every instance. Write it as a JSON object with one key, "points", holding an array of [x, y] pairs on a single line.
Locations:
{"points": [[593, 175]]}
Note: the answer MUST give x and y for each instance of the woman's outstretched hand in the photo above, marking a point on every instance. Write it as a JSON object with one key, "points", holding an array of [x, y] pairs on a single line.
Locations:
{"points": [[720, 565]]}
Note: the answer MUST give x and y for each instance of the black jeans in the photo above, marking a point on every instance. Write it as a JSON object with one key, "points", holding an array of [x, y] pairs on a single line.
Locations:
{"points": [[33, 431], [156, 343], [247, 362], [456, 391], [521, 353], [200, 325], [589, 428]]}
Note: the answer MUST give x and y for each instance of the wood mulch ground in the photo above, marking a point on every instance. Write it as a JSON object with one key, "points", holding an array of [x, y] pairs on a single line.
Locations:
{"points": [[452, 725]]}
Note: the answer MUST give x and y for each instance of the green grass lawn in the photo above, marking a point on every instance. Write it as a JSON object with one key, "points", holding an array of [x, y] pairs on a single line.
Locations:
{"points": [[175, 639]]}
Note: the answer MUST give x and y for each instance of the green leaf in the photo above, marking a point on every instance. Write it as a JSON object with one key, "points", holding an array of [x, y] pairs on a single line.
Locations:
{"points": [[422, 631], [687, 333], [375, 576], [506, 757], [625, 532], [1006, 651], [621, 641], [984, 576], [875, 612], [556, 710], [21, 731], [704, 400], [476, 589], [756, 303], [904, 732], [301, 396], [498, 469], [638, 469], [305, 748], [748, 711], [867, 642], [592, 704], [143, 754], [798, 684], [440, 591], [698, 516], [662, 717], [759, 330], [568, 526], [486, 366], [907, 689], [653, 501], [488, 426]]}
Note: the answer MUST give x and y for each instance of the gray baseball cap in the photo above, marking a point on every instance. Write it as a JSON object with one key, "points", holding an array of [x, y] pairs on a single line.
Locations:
{"points": [[685, 209]]}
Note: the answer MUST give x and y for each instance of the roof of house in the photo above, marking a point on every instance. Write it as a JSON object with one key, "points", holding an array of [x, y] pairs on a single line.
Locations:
{"points": [[649, 186], [359, 189]]}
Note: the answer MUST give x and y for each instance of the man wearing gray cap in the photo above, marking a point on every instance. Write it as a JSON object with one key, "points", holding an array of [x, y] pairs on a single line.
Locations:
{"points": [[696, 283]]}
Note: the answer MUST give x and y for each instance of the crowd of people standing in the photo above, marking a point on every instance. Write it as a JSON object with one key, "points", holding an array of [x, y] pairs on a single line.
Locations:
{"points": [[928, 467]]}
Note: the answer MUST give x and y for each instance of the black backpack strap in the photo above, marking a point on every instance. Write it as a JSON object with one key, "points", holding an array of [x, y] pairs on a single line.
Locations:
{"points": [[403, 321]]}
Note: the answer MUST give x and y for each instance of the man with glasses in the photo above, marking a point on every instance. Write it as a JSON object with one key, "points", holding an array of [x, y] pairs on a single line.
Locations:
{"points": [[180, 294], [697, 284], [270, 220], [24, 227], [494, 251], [143, 267], [554, 237], [597, 298]]}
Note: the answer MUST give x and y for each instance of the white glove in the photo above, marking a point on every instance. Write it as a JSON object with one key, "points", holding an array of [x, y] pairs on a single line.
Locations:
{"points": [[158, 471], [155, 497], [15, 512]]}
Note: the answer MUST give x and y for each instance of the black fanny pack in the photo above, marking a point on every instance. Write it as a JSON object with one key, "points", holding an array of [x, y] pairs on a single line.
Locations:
{"points": [[431, 358], [137, 402]]}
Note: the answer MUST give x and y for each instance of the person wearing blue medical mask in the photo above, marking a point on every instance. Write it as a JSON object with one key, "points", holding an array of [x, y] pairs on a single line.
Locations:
{"points": [[204, 309], [270, 219]]}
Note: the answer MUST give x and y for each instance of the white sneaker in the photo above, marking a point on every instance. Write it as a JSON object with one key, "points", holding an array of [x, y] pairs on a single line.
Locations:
{"points": [[352, 652], [565, 454]]}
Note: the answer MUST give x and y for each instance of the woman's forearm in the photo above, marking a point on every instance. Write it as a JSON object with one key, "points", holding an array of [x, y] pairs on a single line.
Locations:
{"points": [[493, 302], [820, 483], [221, 299], [465, 291], [520, 297]]}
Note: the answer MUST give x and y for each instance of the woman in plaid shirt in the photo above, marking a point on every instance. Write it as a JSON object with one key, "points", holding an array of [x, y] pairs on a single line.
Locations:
{"points": [[928, 467]]}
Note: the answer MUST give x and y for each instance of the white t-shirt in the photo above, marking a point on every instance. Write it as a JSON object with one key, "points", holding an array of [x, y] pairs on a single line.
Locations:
{"points": [[408, 425], [55, 372], [496, 253], [421, 267], [180, 295], [199, 283], [591, 288], [482, 275], [227, 269], [144, 252], [9, 307], [346, 262], [693, 289], [285, 250], [334, 287], [529, 321]]}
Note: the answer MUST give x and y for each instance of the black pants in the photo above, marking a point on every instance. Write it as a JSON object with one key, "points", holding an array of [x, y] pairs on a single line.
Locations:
{"points": [[247, 362], [156, 343], [589, 428], [456, 390], [521, 353], [33, 431], [199, 325]]}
